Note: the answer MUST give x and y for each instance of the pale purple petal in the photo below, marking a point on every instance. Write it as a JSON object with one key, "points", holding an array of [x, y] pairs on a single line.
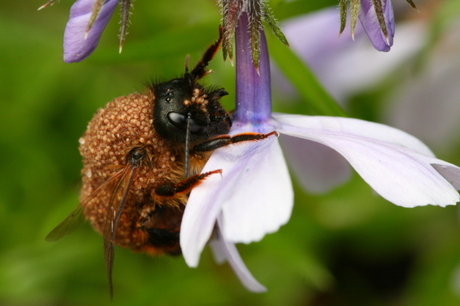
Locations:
{"points": [[318, 168], [261, 195], [77, 47], [254, 194], [224, 250], [199, 218], [397, 165], [371, 25]]}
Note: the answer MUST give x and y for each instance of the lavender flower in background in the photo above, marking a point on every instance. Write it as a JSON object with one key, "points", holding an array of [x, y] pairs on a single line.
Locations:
{"points": [[343, 66], [376, 17], [427, 104], [87, 21], [254, 196]]}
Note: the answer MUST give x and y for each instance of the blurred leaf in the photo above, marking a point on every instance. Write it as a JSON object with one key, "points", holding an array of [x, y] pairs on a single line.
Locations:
{"points": [[161, 44], [286, 9]]}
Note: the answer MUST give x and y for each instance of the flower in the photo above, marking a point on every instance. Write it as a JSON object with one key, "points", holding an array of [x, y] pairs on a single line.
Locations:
{"points": [[88, 19], [376, 17], [80, 37], [254, 196]]}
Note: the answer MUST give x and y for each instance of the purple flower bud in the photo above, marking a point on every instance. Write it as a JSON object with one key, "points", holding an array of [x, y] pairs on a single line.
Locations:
{"points": [[377, 19], [80, 37]]}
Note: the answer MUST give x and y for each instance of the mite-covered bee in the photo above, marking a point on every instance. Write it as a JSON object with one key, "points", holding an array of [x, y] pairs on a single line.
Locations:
{"points": [[142, 156]]}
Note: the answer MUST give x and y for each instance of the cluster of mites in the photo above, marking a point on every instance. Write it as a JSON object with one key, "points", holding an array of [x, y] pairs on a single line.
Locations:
{"points": [[126, 123]]}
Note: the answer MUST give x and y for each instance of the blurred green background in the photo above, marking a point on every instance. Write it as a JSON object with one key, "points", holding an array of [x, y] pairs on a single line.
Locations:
{"points": [[348, 247]]}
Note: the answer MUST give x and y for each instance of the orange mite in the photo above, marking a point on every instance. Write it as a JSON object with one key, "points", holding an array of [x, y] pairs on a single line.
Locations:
{"points": [[142, 156]]}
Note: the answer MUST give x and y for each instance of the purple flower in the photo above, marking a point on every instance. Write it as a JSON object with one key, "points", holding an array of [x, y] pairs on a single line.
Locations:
{"points": [[378, 23], [254, 196], [88, 19], [83, 32], [376, 17]]}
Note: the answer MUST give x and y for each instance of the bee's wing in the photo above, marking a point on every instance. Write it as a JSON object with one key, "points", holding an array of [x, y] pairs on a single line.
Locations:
{"points": [[113, 215], [76, 217], [68, 225]]}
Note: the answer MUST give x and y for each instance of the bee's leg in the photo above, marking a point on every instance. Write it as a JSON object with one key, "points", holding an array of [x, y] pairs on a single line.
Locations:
{"points": [[183, 187], [225, 140], [200, 69]]}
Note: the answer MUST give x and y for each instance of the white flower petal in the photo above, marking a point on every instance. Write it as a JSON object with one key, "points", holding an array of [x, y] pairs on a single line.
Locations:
{"points": [[261, 196], [225, 250], [395, 164], [318, 168], [320, 125], [254, 193], [199, 218]]}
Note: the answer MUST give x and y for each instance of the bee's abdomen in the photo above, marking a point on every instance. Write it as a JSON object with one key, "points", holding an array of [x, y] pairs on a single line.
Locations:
{"points": [[164, 239]]}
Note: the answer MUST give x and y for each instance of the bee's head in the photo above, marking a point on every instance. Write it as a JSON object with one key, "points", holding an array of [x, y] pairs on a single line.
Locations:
{"points": [[182, 106], [181, 100]]}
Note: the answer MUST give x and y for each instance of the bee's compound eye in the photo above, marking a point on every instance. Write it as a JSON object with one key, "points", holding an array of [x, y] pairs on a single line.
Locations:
{"points": [[177, 119], [135, 156], [180, 121]]}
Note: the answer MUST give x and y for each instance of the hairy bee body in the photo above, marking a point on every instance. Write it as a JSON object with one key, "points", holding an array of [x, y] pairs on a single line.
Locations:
{"points": [[127, 123]]}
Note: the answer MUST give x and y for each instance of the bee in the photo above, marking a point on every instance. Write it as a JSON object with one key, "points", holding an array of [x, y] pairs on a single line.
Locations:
{"points": [[142, 155]]}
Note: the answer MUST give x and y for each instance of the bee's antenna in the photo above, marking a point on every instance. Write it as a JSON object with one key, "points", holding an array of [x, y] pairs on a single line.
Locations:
{"points": [[187, 144]]}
